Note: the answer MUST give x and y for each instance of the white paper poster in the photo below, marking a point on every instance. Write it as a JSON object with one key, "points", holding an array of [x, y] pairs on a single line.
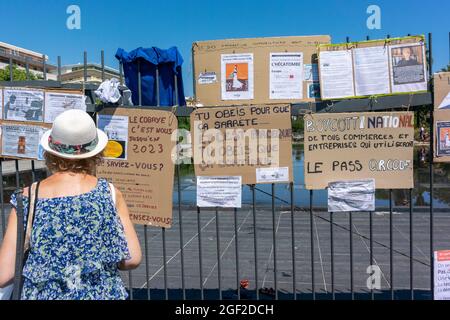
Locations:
{"points": [[336, 73], [23, 104], [237, 76], [223, 191], [58, 102], [21, 141], [442, 275], [311, 72], [371, 67], [286, 75], [207, 77], [272, 174], [408, 70], [352, 195], [116, 128]]}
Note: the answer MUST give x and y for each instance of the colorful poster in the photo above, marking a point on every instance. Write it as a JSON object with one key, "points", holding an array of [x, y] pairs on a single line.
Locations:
{"points": [[443, 141], [408, 67], [237, 76], [58, 102], [116, 128], [21, 141], [352, 146], [336, 74], [286, 75], [223, 192], [22, 104], [371, 67]]}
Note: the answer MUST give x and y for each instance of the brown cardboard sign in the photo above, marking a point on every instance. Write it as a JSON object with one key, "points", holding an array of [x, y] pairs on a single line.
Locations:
{"points": [[349, 146], [442, 90], [251, 67], [138, 161], [249, 141]]}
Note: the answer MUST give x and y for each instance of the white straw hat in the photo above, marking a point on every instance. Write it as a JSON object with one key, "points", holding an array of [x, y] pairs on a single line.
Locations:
{"points": [[74, 136]]}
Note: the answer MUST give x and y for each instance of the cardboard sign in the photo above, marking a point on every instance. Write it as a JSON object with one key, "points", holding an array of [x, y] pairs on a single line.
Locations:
{"points": [[144, 171], [237, 141], [442, 91], [350, 146], [248, 80], [442, 275]]}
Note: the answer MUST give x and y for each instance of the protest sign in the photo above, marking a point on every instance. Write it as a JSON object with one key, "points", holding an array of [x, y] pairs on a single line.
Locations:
{"points": [[58, 101], [139, 161], [21, 141], [254, 70], [23, 104], [223, 192], [237, 141], [350, 146], [442, 275], [375, 67], [441, 127]]}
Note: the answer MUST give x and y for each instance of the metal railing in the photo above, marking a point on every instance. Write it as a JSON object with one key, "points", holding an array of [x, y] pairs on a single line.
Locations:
{"points": [[299, 250]]}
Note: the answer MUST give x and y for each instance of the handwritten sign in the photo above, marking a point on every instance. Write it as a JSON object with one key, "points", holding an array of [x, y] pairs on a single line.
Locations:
{"points": [[145, 175], [350, 146], [237, 141]]}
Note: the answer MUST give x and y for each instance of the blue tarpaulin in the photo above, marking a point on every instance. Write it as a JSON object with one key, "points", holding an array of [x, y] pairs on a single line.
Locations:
{"points": [[169, 64]]}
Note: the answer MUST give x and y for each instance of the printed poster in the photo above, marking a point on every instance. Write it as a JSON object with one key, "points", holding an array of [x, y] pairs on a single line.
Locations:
{"points": [[336, 74], [286, 75], [21, 104], [58, 102], [207, 78], [371, 69], [237, 76], [21, 141], [1, 103], [442, 275], [408, 67], [443, 135], [116, 128], [223, 192]]}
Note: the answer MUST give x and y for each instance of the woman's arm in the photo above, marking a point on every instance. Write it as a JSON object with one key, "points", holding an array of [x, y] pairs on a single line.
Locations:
{"points": [[8, 251], [130, 234]]}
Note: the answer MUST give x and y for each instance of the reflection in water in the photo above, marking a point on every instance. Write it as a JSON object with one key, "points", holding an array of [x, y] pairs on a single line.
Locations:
{"points": [[420, 193]]}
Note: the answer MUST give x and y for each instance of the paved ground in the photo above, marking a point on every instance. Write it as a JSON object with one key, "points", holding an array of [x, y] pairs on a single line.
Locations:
{"points": [[154, 277], [283, 251]]}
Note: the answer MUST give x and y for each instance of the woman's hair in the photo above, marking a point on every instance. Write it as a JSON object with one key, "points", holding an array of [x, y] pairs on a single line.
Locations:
{"points": [[85, 166]]}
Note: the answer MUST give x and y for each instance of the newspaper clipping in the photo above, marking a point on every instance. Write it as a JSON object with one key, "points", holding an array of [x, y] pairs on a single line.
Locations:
{"points": [[21, 141], [58, 102], [22, 104]]}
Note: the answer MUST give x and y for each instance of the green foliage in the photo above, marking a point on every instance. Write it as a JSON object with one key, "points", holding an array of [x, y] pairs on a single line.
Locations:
{"points": [[18, 74], [183, 123], [297, 125], [446, 69]]}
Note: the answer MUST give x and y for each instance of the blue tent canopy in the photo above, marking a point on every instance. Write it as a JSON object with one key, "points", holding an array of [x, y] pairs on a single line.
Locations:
{"points": [[169, 64]]}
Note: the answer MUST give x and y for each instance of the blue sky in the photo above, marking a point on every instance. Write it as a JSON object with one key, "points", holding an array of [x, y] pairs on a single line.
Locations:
{"points": [[41, 25]]}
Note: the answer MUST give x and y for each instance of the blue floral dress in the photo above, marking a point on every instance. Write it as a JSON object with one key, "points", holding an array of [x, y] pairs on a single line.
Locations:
{"points": [[75, 245]]}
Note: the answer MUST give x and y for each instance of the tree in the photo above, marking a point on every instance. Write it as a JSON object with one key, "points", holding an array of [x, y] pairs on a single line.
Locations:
{"points": [[446, 69], [18, 74]]}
